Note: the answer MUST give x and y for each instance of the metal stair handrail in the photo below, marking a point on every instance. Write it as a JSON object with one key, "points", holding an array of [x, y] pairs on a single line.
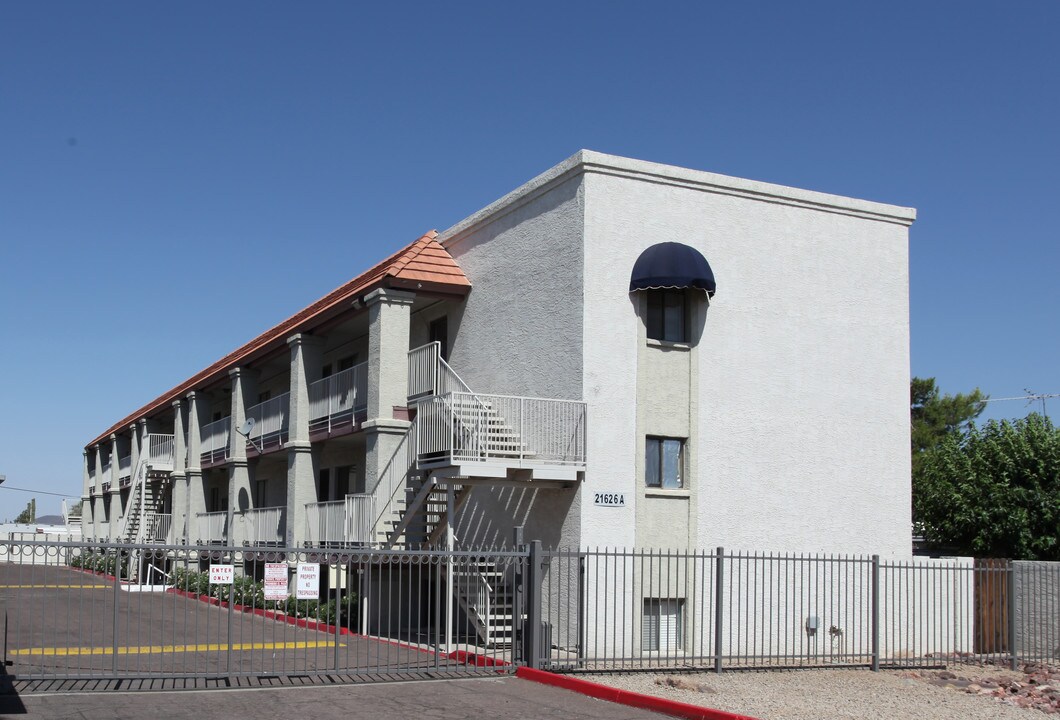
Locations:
{"points": [[395, 475], [135, 496]]}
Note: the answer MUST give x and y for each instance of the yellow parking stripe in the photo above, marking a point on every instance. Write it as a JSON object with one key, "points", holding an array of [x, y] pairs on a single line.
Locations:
{"points": [[160, 649], [28, 587]]}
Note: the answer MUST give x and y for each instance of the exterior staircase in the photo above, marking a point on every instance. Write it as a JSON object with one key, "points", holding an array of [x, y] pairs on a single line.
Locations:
{"points": [[460, 438]]}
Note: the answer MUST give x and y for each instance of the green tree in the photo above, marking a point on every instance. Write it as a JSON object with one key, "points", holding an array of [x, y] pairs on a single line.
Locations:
{"points": [[934, 417], [993, 491], [29, 515]]}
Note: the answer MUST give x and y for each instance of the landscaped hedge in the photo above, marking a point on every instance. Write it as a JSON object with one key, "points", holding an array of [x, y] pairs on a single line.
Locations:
{"points": [[99, 562], [250, 594]]}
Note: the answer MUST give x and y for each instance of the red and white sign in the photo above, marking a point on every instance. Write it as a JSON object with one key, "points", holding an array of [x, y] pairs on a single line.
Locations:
{"points": [[308, 582], [275, 581], [222, 574]]}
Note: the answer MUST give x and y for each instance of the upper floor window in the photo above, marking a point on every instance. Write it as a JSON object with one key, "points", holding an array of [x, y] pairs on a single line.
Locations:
{"points": [[668, 316], [664, 460], [671, 275]]}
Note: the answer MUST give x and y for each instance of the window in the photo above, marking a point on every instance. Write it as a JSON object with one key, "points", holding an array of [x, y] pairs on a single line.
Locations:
{"points": [[668, 315], [664, 460], [259, 493], [347, 362], [662, 625]]}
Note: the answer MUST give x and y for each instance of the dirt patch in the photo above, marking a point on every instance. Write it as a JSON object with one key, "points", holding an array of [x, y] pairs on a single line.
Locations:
{"points": [[962, 692]]}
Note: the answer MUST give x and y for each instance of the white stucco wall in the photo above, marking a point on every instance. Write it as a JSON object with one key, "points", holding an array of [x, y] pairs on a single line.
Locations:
{"points": [[520, 330], [799, 420], [803, 428]]}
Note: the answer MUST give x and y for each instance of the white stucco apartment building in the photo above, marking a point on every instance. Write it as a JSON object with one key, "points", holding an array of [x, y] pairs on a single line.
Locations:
{"points": [[770, 413]]}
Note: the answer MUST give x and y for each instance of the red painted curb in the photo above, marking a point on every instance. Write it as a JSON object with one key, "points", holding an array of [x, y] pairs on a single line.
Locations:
{"points": [[305, 623], [625, 697]]}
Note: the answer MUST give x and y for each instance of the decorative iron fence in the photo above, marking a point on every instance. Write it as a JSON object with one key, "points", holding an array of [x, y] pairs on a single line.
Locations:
{"points": [[89, 610], [631, 609]]}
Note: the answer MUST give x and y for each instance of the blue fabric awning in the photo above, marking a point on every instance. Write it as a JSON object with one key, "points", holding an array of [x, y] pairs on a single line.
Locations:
{"points": [[672, 265]]}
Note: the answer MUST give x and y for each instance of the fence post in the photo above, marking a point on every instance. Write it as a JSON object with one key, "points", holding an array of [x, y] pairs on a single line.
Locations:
{"points": [[533, 638], [719, 598], [520, 577], [875, 613], [1011, 619], [114, 619]]}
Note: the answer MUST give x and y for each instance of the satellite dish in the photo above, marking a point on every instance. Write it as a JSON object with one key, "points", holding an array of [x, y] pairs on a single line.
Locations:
{"points": [[247, 427]]}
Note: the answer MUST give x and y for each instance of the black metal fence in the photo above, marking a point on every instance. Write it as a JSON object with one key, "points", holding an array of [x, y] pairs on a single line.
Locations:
{"points": [[75, 610], [78, 610], [609, 610]]}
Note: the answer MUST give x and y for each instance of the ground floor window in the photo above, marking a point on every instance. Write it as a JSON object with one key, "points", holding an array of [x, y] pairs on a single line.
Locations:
{"points": [[662, 625]]}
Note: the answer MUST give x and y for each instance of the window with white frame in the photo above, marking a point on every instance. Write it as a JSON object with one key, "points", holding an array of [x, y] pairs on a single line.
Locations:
{"points": [[664, 460], [662, 625]]}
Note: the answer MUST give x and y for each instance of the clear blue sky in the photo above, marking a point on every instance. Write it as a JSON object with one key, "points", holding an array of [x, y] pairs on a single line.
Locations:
{"points": [[169, 171]]}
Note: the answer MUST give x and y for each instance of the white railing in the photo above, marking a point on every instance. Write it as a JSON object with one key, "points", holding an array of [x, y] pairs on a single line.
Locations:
{"points": [[125, 466], [156, 526], [270, 422], [160, 451], [265, 525], [517, 431], [429, 374], [212, 526], [213, 440], [106, 469], [395, 476], [338, 398], [341, 521]]}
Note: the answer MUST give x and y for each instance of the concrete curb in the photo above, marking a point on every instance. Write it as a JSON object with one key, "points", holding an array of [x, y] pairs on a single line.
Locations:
{"points": [[626, 697]]}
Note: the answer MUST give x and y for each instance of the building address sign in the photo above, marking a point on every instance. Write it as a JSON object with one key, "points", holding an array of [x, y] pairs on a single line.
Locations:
{"points": [[609, 499]]}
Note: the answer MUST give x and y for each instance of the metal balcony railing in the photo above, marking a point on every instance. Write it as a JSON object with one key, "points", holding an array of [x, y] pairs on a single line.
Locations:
{"points": [[160, 451], [344, 522], [337, 399], [265, 526], [125, 466], [157, 526], [505, 429], [270, 422], [212, 526], [213, 439]]}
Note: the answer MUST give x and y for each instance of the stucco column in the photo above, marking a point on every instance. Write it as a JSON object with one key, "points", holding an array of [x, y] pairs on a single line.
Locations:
{"points": [[196, 496], [114, 497], [306, 361], [134, 456], [178, 478], [244, 392], [98, 516], [389, 313], [86, 501]]}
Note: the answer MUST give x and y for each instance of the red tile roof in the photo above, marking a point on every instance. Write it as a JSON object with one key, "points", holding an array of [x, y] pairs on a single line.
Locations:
{"points": [[424, 264]]}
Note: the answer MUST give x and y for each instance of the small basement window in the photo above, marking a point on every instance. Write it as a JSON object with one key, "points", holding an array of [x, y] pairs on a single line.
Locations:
{"points": [[662, 625]]}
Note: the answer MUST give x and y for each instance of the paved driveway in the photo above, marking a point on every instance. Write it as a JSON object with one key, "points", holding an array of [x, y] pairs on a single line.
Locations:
{"points": [[507, 698], [63, 622]]}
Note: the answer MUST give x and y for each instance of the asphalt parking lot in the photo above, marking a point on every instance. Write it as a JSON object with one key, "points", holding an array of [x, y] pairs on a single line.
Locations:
{"points": [[96, 651], [502, 697], [65, 622]]}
